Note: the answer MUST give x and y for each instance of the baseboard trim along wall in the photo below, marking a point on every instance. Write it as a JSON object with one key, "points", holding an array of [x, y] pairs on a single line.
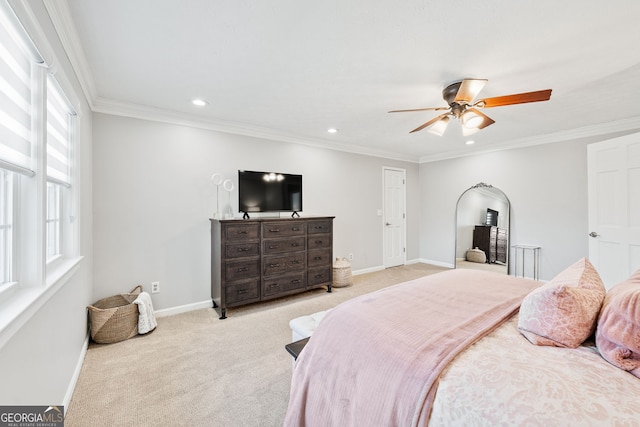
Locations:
{"points": [[183, 308], [76, 375]]}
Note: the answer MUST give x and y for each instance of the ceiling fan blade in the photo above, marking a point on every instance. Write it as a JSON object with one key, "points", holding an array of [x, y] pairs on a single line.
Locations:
{"points": [[420, 109], [469, 89], [432, 121], [519, 98]]}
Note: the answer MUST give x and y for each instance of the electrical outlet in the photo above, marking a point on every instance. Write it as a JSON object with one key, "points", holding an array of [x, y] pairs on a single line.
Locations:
{"points": [[155, 287], [350, 257]]}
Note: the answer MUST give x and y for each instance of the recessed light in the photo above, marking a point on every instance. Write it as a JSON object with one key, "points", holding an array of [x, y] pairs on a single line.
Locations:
{"points": [[470, 142], [332, 130], [199, 102]]}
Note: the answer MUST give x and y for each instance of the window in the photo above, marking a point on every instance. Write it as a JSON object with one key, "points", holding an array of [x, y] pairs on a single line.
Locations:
{"points": [[37, 130], [16, 135], [38, 199], [60, 123]]}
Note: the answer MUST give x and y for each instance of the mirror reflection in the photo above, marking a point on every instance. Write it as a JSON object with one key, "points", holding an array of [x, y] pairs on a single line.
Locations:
{"points": [[482, 229]]}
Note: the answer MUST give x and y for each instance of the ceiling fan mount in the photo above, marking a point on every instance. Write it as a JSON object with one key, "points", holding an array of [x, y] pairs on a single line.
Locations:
{"points": [[460, 96]]}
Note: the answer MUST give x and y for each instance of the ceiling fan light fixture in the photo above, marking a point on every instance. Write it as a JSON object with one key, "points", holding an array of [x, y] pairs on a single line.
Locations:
{"points": [[439, 127], [471, 120]]}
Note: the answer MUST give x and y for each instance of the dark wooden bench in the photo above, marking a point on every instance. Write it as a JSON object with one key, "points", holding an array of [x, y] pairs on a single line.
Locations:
{"points": [[296, 347]]}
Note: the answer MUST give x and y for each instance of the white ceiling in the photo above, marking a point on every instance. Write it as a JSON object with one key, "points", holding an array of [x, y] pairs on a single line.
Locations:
{"points": [[291, 69]]}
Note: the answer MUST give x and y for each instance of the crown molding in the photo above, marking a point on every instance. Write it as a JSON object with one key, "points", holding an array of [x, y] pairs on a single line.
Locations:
{"points": [[62, 20], [118, 108], [602, 129]]}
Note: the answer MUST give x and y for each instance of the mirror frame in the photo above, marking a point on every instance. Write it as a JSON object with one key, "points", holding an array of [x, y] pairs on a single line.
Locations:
{"points": [[494, 189]]}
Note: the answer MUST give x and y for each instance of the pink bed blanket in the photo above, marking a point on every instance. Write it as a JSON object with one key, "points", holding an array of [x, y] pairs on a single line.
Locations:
{"points": [[375, 360]]}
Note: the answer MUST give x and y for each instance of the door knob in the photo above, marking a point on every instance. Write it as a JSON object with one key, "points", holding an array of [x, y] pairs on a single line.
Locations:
{"points": [[593, 234]]}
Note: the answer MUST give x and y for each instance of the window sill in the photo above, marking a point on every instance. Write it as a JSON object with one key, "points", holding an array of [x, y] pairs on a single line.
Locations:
{"points": [[23, 303]]}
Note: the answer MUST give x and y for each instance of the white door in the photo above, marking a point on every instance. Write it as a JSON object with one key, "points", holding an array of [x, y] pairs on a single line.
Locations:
{"points": [[393, 217], [614, 207]]}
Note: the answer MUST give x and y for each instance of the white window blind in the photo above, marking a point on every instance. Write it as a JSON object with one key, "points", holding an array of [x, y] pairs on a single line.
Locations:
{"points": [[59, 117], [15, 97]]}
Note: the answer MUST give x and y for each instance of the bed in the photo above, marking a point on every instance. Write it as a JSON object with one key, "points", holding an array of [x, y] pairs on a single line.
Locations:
{"points": [[451, 349]]}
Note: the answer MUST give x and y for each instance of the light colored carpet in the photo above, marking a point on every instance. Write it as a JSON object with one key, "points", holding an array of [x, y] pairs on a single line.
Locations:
{"points": [[498, 268], [196, 370]]}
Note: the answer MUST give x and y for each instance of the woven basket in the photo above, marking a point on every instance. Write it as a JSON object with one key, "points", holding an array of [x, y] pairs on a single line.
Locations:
{"points": [[115, 318], [476, 255], [342, 273]]}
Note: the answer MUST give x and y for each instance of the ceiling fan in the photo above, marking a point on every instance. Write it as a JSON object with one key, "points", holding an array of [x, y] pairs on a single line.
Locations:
{"points": [[460, 97]]}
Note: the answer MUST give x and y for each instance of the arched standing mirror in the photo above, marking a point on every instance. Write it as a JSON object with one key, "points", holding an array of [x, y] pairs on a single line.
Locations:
{"points": [[482, 229]]}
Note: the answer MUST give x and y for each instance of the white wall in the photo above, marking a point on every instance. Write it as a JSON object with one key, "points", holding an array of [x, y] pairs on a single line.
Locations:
{"points": [[153, 198], [547, 188], [39, 363]]}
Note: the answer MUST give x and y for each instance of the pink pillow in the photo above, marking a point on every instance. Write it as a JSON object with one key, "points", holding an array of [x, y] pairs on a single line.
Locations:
{"points": [[563, 312], [618, 332]]}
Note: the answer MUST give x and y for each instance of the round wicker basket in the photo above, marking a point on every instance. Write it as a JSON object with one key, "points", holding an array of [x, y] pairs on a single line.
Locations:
{"points": [[476, 255], [342, 273], [115, 318]]}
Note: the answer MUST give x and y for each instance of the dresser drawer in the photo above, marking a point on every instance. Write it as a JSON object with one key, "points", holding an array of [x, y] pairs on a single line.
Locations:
{"points": [[241, 232], [320, 258], [319, 241], [276, 246], [242, 292], [241, 270], [319, 276], [282, 229], [282, 284], [283, 264], [319, 226], [242, 250]]}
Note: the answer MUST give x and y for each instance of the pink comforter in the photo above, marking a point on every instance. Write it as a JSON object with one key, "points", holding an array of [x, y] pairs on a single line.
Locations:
{"points": [[375, 360]]}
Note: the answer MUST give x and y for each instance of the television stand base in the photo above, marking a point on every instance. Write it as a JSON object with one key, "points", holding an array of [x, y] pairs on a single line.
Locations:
{"points": [[246, 216], [295, 215]]}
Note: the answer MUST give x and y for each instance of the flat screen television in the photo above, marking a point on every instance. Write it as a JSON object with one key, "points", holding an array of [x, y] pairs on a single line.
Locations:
{"points": [[269, 192], [492, 217]]}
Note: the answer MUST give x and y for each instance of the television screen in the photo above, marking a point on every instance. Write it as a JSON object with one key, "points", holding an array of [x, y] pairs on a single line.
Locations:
{"points": [[492, 217], [269, 192]]}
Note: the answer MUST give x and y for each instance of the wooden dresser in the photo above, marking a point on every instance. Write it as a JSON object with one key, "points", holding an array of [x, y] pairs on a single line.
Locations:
{"points": [[493, 241], [261, 259]]}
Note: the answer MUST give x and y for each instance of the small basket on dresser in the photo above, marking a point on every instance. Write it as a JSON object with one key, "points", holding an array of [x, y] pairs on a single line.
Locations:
{"points": [[115, 318]]}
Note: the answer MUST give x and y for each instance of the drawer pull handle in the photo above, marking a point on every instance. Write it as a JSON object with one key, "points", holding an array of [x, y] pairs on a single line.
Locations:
{"points": [[243, 249], [242, 291], [274, 230], [241, 269], [318, 242], [295, 229], [295, 282], [318, 258], [242, 232], [274, 246], [295, 261], [274, 285], [319, 276], [274, 265], [294, 245]]}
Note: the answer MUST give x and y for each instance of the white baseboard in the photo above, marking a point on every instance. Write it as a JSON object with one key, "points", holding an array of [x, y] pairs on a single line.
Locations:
{"points": [[367, 270], [76, 374], [438, 263], [183, 308]]}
